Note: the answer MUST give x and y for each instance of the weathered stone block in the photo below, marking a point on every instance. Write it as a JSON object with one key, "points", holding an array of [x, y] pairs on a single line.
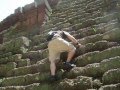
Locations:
{"points": [[18, 45], [13, 88], [36, 55], [91, 57], [38, 86], [3, 55], [91, 39], [106, 18], [111, 63], [32, 78], [96, 56], [42, 66], [97, 84], [19, 71], [80, 82], [91, 70], [95, 69], [34, 86], [7, 67], [23, 62], [111, 87], [13, 81], [13, 58], [111, 77], [40, 46], [37, 39], [113, 35], [32, 55]]}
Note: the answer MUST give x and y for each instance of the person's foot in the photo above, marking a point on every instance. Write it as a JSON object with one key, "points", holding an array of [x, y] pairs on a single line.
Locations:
{"points": [[53, 78], [68, 66]]}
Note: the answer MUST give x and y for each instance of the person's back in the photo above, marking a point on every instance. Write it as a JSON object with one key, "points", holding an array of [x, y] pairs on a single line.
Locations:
{"points": [[53, 34]]}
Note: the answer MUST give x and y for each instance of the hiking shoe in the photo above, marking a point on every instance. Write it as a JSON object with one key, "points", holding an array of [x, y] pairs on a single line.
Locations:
{"points": [[68, 66], [53, 78]]}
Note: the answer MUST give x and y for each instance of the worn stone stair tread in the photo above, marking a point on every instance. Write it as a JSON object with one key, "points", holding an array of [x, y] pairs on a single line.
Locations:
{"points": [[95, 23]]}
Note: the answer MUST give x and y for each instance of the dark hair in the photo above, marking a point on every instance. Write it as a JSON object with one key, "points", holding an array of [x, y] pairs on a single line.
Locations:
{"points": [[50, 36]]}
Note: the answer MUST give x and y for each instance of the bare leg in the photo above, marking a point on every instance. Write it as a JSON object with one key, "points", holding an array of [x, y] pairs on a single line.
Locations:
{"points": [[70, 55], [52, 68]]}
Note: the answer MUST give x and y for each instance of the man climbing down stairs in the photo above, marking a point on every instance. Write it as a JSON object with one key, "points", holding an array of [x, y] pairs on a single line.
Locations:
{"points": [[58, 44]]}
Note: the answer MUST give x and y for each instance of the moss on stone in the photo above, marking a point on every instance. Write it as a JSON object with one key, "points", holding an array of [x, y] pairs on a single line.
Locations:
{"points": [[111, 76]]}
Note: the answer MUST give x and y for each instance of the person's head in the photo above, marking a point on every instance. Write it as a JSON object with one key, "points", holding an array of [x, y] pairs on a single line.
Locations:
{"points": [[49, 36]]}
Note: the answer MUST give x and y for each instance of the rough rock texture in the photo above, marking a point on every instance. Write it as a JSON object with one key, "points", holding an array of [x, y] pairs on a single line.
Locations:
{"points": [[24, 63]]}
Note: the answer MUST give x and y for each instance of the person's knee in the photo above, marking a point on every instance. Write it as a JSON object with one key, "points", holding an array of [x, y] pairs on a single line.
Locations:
{"points": [[52, 62], [73, 49]]}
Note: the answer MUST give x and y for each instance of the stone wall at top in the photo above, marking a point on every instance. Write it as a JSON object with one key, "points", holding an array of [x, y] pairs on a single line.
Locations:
{"points": [[27, 16]]}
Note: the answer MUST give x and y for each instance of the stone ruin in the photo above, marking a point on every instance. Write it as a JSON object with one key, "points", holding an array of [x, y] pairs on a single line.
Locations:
{"points": [[24, 61]]}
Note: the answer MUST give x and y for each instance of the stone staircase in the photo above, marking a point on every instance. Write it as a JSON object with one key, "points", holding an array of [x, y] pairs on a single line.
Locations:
{"points": [[24, 62]]}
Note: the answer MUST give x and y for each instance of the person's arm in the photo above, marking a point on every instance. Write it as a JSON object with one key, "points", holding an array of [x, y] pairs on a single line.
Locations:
{"points": [[71, 38]]}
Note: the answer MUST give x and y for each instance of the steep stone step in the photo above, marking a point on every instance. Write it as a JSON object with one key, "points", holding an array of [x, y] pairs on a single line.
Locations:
{"points": [[103, 30], [91, 4], [97, 29], [85, 16], [39, 67], [96, 56], [95, 8], [88, 8], [112, 35], [89, 22], [38, 77], [107, 17], [74, 27], [12, 88], [28, 79], [89, 70], [95, 70], [40, 87], [21, 80], [102, 27], [88, 31], [36, 55], [101, 45], [99, 37], [3, 55], [25, 79], [16, 46], [90, 47], [98, 20], [42, 66], [23, 62], [111, 77], [102, 19], [34, 86], [17, 58], [37, 39], [81, 5], [84, 21], [74, 14], [76, 34], [90, 39], [110, 87], [39, 47], [4, 68], [11, 58], [79, 83]]}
